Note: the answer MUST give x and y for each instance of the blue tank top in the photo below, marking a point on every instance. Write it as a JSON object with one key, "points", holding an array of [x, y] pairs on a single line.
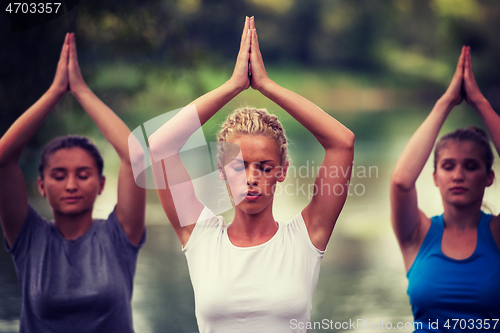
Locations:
{"points": [[452, 295]]}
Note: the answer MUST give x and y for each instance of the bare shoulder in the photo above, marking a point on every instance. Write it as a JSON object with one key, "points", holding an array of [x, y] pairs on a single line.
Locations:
{"points": [[495, 229]]}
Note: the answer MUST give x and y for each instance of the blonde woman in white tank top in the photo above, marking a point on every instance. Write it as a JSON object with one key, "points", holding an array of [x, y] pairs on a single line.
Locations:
{"points": [[254, 274]]}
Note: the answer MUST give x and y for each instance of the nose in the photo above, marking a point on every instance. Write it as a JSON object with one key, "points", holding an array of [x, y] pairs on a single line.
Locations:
{"points": [[253, 174], [71, 184], [458, 174]]}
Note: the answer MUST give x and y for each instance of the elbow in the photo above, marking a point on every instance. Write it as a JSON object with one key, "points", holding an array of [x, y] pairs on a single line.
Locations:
{"points": [[350, 138], [137, 156], [400, 183], [346, 142], [158, 146], [7, 157], [163, 144], [153, 144], [343, 142], [136, 150]]}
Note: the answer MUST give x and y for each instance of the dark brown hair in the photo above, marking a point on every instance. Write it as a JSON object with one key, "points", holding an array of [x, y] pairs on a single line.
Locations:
{"points": [[67, 142], [471, 134]]}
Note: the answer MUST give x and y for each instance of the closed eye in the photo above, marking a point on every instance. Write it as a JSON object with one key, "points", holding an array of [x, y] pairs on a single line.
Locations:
{"points": [[472, 166], [83, 175], [237, 166], [58, 176], [448, 166]]}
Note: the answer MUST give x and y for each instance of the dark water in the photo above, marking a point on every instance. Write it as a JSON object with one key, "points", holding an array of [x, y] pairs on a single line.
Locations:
{"points": [[362, 278]]}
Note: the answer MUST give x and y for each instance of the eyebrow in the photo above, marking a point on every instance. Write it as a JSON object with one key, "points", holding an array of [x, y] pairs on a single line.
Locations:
{"points": [[446, 160], [65, 169], [260, 162]]}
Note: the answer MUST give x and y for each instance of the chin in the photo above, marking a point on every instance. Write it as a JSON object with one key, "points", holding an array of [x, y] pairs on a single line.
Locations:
{"points": [[251, 208], [463, 203], [73, 211]]}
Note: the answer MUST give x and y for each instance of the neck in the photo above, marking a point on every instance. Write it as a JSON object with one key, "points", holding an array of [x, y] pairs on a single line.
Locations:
{"points": [[252, 229], [462, 217], [73, 226]]}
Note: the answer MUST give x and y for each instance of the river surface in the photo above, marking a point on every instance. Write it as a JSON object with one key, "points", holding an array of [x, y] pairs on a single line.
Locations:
{"points": [[362, 277]]}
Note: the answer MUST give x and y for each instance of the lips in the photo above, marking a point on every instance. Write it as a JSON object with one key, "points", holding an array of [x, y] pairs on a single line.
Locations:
{"points": [[253, 195], [71, 199], [458, 189]]}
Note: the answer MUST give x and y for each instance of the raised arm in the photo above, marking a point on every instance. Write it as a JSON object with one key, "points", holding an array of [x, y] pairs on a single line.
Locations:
{"points": [[475, 98], [490, 118], [13, 197], [131, 198], [321, 213], [180, 202], [409, 223]]}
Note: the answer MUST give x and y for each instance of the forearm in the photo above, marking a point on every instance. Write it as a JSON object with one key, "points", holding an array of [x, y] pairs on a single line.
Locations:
{"points": [[24, 128], [491, 119], [13, 196], [171, 137], [419, 147], [329, 132], [110, 125], [208, 104]]}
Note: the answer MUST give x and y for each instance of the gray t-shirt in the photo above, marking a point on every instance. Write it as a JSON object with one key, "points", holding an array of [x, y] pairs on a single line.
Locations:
{"points": [[82, 285]]}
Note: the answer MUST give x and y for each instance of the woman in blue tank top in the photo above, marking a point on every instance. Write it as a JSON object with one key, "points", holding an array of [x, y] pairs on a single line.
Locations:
{"points": [[75, 273], [452, 260]]}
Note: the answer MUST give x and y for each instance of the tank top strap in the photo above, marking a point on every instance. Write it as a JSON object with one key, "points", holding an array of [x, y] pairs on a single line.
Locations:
{"points": [[485, 236], [432, 241], [435, 234]]}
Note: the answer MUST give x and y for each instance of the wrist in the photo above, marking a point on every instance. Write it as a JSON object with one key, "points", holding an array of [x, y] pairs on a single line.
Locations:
{"points": [[478, 102], [233, 87], [78, 90], [447, 103], [56, 92], [266, 86]]}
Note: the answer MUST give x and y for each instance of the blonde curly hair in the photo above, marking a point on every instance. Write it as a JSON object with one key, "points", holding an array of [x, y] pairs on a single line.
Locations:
{"points": [[255, 122]]}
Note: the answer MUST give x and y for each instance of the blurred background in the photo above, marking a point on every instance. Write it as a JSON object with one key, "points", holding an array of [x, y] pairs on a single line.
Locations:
{"points": [[377, 66]]}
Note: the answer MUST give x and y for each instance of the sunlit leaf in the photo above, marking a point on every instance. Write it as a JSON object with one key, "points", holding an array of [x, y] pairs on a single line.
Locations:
{"points": [[464, 9], [277, 6]]}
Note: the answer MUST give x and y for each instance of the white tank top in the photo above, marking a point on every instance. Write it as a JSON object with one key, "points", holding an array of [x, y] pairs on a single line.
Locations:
{"points": [[263, 288]]}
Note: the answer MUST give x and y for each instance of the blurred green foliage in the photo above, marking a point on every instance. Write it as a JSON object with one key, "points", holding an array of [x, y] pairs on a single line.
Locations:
{"points": [[352, 57]]}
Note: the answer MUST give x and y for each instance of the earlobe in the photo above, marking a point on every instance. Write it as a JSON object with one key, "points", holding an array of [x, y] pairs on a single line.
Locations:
{"points": [[41, 187], [435, 178], [102, 181], [491, 178], [282, 172]]}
